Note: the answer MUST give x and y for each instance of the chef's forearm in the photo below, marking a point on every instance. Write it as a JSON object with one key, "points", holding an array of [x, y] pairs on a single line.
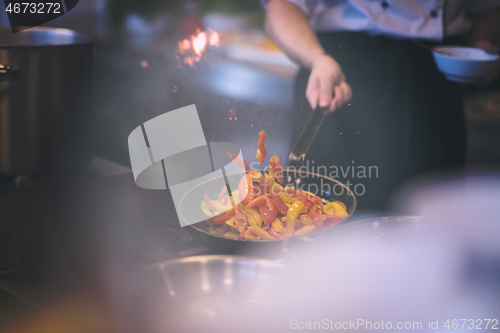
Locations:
{"points": [[486, 27], [289, 28]]}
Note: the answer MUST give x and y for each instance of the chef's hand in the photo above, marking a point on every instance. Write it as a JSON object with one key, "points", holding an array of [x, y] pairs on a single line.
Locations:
{"points": [[492, 49], [326, 81]]}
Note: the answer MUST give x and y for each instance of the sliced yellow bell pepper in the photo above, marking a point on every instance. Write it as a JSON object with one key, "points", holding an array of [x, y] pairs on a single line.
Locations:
{"points": [[287, 199], [305, 230], [236, 196], [340, 211], [231, 222], [220, 207], [260, 232], [205, 209], [333, 208], [277, 225], [256, 175], [275, 158], [306, 219], [277, 188], [329, 209], [292, 214], [254, 218], [270, 176]]}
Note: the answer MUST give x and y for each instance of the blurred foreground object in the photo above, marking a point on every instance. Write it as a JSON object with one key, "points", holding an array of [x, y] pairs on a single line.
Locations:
{"points": [[428, 271]]}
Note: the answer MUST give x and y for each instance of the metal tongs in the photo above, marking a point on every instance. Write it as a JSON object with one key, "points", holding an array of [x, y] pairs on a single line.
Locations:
{"points": [[304, 141]]}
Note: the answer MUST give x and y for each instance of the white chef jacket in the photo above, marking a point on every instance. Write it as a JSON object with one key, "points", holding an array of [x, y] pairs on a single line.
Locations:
{"points": [[419, 19]]}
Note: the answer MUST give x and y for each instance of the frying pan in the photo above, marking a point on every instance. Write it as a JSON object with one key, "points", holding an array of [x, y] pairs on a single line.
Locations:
{"points": [[387, 230], [213, 236]]}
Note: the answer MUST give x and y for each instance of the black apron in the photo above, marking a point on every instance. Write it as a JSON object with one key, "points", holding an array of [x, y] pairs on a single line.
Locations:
{"points": [[405, 119]]}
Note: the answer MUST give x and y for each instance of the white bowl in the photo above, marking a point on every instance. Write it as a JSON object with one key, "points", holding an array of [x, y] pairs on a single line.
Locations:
{"points": [[464, 64]]}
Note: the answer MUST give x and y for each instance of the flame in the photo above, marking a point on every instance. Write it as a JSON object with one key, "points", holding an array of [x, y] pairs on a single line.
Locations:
{"points": [[193, 48], [200, 43], [184, 46], [214, 39]]}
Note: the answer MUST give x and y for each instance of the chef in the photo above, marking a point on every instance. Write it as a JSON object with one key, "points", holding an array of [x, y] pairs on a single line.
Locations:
{"points": [[371, 59]]}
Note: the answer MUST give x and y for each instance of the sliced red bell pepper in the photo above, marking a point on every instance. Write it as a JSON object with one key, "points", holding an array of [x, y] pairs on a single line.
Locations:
{"points": [[278, 169], [289, 191], [268, 215], [262, 186], [246, 190], [219, 219], [279, 202], [238, 160], [308, 196], [258, 187], [318, 201], [307, 206], [240, 219], [301, 196], [260, 200], [312, 215], [330, 221], [274, 233], [318, 222], [262, 146], [266, 208]]}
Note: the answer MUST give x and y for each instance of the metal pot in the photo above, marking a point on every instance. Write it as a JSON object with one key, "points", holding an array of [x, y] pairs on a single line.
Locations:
{"points": [[198, 294], [45, 100]]}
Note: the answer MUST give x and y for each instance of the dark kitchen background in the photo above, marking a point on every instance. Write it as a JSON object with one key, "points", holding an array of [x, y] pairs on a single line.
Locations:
{"points": [[64, 236]]}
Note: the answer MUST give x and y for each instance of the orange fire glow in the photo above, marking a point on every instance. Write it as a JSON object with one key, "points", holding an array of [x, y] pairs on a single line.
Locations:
{"points": [[192, 49], [199, 43], [184, 46], [214, 39]]}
